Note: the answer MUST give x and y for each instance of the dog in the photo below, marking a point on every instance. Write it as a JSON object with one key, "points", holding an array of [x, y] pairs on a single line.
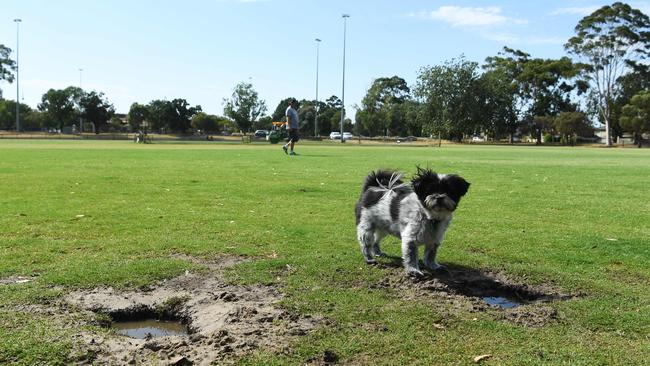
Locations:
{"points": [[418, 213]]}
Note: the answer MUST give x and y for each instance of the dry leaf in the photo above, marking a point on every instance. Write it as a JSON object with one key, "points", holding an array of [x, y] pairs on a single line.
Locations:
{"points": [[480, 358]]}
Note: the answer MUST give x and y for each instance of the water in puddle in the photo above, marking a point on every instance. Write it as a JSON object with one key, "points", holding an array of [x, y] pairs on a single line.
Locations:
{"points": [[142, 329], [501, 302]]}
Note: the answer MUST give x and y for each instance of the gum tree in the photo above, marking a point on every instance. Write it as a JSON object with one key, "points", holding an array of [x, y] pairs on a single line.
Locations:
{"points": [[612, 41], [383, 106], [635, 117], [244, 106], [7, 66]]}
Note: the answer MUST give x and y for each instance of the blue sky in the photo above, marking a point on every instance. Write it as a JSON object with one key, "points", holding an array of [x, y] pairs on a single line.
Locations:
{"points": [[137, 51]]}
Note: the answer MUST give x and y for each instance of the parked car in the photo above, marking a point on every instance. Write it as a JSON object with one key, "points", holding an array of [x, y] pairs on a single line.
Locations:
{"points": [[347, 136], [334, 135], [261, 133], [478, 139]]}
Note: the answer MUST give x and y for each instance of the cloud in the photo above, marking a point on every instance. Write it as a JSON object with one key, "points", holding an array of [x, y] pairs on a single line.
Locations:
{"points": [[575, 10], [644, 6], [469, 16]]}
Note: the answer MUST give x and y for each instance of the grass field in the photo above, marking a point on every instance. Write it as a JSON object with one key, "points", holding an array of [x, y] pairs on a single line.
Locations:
{"points": [[572, 219]]}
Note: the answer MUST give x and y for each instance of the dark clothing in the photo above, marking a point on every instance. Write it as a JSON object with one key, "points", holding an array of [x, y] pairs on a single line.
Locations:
{"points": [[294, 135]]}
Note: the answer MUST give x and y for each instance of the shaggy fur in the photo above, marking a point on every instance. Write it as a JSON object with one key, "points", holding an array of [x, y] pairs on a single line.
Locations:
{"points": [[418, 214]]}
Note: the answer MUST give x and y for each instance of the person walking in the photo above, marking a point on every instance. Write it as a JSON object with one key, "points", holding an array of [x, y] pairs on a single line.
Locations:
{"points": [[292, 126]]}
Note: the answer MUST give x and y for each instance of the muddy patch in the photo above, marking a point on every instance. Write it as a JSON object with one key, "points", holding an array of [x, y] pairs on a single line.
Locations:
{"points": [[219, 322], [13, 280], [473, 291], [150, 328]]}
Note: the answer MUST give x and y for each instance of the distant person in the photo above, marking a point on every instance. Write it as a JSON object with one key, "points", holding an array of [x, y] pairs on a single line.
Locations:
{"points": [[292, 126]]}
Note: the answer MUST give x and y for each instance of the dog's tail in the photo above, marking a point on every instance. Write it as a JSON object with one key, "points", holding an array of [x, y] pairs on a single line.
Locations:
{"points": [[384, 180]]}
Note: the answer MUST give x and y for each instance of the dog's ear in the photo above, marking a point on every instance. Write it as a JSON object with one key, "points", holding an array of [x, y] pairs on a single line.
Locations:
{"points": [[458, 185], [424, 182]]}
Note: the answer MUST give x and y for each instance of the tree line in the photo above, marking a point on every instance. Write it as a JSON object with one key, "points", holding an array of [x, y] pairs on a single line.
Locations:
{"points": [[604, 78]]}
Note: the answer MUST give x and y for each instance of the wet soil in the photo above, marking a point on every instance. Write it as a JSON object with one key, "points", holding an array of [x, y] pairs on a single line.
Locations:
{"points": [[223, 321], [469, 290]]}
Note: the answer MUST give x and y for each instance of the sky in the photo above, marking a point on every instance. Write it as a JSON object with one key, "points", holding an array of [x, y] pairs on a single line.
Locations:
{"points": [[142, 50]]}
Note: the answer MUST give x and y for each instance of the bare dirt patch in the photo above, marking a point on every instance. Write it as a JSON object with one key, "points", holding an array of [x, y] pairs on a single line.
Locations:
{"points": [[15, 280], [470, 290], [224, 321]]}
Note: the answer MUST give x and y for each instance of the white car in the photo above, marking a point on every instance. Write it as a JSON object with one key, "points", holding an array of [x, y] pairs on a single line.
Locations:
{"points": [[347, 136], [334, 135], [478, 139]]}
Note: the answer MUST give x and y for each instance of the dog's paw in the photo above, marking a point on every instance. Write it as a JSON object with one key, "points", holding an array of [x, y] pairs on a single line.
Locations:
{"points": [[380, 254], [437, 267], [414, 272], [371, 261]]}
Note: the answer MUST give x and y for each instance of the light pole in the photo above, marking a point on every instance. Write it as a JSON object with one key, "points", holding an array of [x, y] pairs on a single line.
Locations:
{"points": [[17, 20], [81, 121], [316, 109], [345, 18]]}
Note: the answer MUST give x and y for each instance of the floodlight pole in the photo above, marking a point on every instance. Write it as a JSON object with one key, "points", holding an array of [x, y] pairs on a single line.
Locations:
{"points": [[345, 18], [81, 121], [316, 107], [18, 21]]}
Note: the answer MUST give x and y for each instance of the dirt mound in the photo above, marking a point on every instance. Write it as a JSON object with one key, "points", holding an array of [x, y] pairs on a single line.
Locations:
{"points": [[224, 321], [472, 290]]}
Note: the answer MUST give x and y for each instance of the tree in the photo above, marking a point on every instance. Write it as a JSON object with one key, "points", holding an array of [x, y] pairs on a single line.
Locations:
{"points": [[207, 122], [382, 107], [537, 87], [329, 115], [58, 106], [279, 113], [307, 116], [612, 40], [500, 114], [138, 113], [96, 109], [414, 123], [7, 66], [635, 116], [630, 84], [160, 112], [181, 120], [572, 124], [8, 116], [264, 123], [244, 106], [447, 92]]}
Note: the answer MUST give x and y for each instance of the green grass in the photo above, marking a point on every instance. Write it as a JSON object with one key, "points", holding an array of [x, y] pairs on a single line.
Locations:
{"points": [[541, 215]]}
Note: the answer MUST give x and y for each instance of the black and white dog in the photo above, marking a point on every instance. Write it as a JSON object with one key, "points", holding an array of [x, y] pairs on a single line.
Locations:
{"points": [[418, 214]]}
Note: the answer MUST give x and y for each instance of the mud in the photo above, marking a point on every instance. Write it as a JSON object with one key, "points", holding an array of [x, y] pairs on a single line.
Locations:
{"points": [[467, 290], [224, 321], [15, 280]]}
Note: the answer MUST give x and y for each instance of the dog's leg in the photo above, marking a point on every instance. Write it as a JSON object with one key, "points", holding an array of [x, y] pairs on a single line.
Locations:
{"points": [[410, 257], [431, 249], [430, 256], [366, 236], [375, 247]]}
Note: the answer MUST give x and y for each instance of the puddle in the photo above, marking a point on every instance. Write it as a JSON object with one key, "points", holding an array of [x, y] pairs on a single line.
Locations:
{"points": [[501, 302], [475, 290], [151, 328], [218, 322]]}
